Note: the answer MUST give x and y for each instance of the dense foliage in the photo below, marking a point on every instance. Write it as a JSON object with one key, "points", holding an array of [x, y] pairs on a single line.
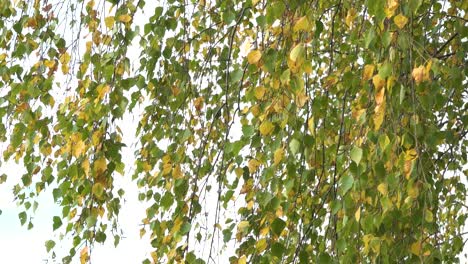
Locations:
{"points": [[318, 131]]}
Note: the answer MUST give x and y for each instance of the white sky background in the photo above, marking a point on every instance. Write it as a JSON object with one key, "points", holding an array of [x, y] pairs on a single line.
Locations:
{"points": [[19, 245]]}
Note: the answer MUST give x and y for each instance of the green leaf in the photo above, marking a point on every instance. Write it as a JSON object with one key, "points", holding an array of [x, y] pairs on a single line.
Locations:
{"points": [[325, 258], [57, 222], [356, 154], [294, 146], [377, 9], [277, 249], [385, 70], [414, 5], [277, 226], [49, 244], [346, 182], [22, 217], [402, 94]]}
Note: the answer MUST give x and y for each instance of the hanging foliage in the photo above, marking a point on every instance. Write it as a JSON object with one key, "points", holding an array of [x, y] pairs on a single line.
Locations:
{"points": [[271, 132]]}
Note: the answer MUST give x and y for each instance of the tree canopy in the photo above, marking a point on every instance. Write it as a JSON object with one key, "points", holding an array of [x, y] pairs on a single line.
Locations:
{"points": [[320, 131]]}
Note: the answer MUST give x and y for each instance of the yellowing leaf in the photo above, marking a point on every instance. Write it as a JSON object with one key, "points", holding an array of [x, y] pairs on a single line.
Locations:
{"points": [[421, 73], [408, 168], [392, 5], [261, 245], [400, 20], [254, 56], [177, 173], [242, 260], [102, 90], [260, 92], [379, 96], [413, 191], [78, 148], [368, 72], [125, 18], [253, 165], [84, 255], [100, 165], [383, 189], [242, 226], [245, 47], [357, 113], [49, 63], [416, 248], [301, 99], [428, 216], [378, 82], [357, 214], [379, 114], [266, 128], [411, 154], [311, 126], [351, 15], [278, 156], [297, 52], [109, 21], [85, 166], [302, 24]]}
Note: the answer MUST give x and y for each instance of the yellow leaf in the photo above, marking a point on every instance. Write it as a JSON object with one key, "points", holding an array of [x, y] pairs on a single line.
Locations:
{"points": [[65, 58], [301, 99], [420, 74], [242, 226], [302, 24], [413, 191], [260, 92], [177, 173], [84, 255], [278, 156], [416, 248], [65, 69], [311, 126], [264, 231], [109, 21], [379, 96], [85, 166], [357, 214], [351, 15], [368, 72], [78, 148], [357, 113], [49, 63], [428, 216], [102, 90], [383, 189], [142, 232], [408, 168], [254, 56], [392, 5], [261, 245], [253, 165], [125, 18], [266, 128], [296, 52], [411, 154], [379, 114], [400, 20], [100, 165], [242, 260], [378, 82]]}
